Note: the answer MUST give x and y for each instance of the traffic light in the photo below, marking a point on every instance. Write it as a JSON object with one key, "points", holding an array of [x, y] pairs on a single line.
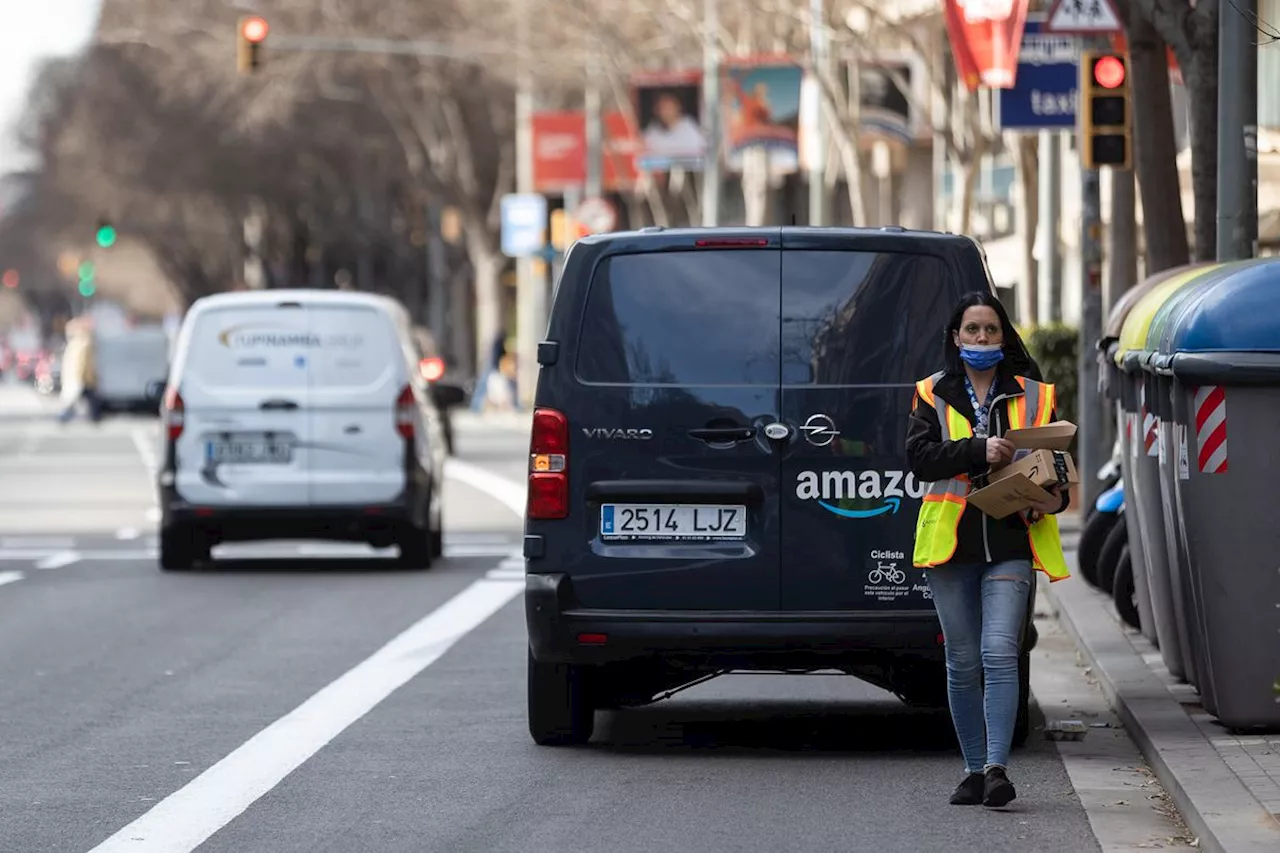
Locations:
{"points": [[251, 34], [87, 287], [1106, 119], [10, 279], [106, 234]]}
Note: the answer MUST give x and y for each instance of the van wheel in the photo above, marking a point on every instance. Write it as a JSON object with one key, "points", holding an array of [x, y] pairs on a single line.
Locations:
{"points": [[179, 551], [436, 534], [415, 548], [923, 686], [560, 708]]}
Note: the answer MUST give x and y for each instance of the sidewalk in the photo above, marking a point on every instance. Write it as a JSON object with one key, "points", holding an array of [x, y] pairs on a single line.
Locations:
{"points": [[1227, 787]]}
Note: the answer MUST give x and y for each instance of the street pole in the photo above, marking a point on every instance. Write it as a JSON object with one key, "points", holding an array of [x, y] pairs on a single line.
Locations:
{"points": [[818, 166], [1089, 410], [1049, 287], [1237, 133], [711, 112], [531, 300], [595, 131]]}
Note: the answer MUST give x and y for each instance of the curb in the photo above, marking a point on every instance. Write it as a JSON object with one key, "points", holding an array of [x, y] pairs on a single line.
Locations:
{"points": [[1211, 798]]}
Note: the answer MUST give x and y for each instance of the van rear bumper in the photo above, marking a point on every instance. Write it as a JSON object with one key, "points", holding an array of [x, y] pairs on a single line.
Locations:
{"points": [[556, 622]]}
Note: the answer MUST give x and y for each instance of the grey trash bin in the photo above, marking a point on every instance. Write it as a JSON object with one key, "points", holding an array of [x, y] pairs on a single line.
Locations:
{"points": [[1164, 522], [1226, 369], [1145, 522]]}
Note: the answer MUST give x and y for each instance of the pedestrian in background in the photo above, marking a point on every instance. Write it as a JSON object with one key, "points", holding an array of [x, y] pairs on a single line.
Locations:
{"points": [[980, 569], [79, 372]]}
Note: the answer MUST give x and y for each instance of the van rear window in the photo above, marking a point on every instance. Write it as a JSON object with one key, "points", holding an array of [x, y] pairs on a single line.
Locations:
{"points": [[683, 318], [270, 347]]}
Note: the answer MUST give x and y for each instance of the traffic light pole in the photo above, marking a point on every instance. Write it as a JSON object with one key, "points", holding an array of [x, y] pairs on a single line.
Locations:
{"points": [[1090, 450]]}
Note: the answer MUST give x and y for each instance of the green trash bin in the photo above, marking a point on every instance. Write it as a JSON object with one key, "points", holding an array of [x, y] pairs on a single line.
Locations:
{"points": [[1112, 385], [1145, 523], [1163, 523], [1226, 370]]}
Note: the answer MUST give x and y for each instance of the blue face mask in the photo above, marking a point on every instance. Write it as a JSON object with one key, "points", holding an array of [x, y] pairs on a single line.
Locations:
{"points": [[981, 357]]}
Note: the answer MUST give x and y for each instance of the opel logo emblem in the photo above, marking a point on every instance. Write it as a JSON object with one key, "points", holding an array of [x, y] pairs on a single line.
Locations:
{"points": [[820, 430]]}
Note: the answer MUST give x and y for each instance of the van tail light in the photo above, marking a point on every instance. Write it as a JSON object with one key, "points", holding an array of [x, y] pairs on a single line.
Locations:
{"points": [[406, 403], [731, 243], [549, 465], [174, 413]]}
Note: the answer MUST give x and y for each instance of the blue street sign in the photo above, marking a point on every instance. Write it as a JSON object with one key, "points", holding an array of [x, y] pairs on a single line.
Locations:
{"points": [[1044, 96], [524, 224]]}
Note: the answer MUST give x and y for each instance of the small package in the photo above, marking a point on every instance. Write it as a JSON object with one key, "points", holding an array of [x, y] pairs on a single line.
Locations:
{"points": [[1040, 462]]}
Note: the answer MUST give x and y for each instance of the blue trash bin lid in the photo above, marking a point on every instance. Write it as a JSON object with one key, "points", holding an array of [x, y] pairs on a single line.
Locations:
{"points": [[1230, 333], [1156, 354]]}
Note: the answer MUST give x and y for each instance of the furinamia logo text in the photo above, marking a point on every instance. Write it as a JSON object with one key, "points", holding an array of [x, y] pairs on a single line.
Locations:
{"points": [[242, 337]]}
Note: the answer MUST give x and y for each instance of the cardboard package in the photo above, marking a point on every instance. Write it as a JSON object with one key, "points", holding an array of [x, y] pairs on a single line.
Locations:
{"points": [[1042, 460]]}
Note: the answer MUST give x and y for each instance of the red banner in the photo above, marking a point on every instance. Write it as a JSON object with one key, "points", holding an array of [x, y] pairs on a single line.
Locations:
{"points": [[985, 36], [560, 151]]}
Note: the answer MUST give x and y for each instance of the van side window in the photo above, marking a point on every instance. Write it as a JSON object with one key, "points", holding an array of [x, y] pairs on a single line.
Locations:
{"points": [[701, 317], [863, 318]]}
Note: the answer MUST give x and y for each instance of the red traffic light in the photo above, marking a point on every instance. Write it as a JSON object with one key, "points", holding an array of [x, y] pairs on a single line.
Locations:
{"points": [[1109, 72], [255, 30]]}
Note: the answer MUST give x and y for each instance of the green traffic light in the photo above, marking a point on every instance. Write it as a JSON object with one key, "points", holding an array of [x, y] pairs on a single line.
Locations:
{"points": [[106, 236], [86, 288], [86, 270]]}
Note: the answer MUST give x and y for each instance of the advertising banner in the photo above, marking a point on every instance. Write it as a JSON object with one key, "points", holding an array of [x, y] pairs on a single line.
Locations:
{"points": [[762, 109], [560, 151], [985, 36], [669, 112]]}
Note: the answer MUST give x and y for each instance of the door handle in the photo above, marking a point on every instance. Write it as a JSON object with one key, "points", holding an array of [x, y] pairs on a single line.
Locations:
{"points": [[717, 435], [277, 405]]}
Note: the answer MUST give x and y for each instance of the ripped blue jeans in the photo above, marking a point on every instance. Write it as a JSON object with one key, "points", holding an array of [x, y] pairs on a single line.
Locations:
{"points": [[982, 607]]}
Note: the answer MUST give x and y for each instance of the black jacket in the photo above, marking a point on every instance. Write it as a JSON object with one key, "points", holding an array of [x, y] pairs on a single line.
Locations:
{"points": [[931, 459]]}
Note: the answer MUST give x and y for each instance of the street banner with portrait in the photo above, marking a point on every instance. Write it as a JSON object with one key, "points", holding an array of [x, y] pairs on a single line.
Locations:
{"points": [[669, 113], [985, 37], [762, 110]]}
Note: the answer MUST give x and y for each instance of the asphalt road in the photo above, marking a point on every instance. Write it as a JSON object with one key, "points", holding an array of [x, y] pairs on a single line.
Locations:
{"points": [[309, 699]]}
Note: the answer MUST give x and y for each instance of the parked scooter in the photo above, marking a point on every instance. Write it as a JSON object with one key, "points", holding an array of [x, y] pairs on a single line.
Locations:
{"points": [[1103, 552]]}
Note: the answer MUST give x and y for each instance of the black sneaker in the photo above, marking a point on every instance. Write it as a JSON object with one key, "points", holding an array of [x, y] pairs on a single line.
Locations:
{"points": [[969, 792], [998, 790]]}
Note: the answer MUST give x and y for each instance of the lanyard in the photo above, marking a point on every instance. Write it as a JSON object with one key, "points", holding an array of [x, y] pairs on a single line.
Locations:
{"points": [[982, 413]]}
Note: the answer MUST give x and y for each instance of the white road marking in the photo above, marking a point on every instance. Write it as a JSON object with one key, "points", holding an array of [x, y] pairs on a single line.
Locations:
{"points": [[508, 493], [58, 542], [58, 560], [146, 450], [127, 533], [185, 819], [10, 577]]}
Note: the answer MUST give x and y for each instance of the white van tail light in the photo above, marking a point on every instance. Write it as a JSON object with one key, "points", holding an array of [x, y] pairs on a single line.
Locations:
{"points": [[549, 465], [406, 403], [174, 413]]}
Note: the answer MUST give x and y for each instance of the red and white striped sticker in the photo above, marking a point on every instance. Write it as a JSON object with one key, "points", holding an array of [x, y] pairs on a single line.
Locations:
{"points": [[1150, 426], [1211, 429]]}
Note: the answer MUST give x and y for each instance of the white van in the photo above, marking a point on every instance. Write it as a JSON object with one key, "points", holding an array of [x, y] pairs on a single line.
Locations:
{"points": [[300, 414]]}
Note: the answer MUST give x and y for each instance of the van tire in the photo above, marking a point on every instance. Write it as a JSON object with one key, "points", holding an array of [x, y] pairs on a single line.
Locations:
{"points": [[560, 707], [436, 532], [415, 548], [177, 551]]}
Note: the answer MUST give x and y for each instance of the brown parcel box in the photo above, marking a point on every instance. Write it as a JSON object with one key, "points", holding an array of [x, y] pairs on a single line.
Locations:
{"points": [[1014, 487]]}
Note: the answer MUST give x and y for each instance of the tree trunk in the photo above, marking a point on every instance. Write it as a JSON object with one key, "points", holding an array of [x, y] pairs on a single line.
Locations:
{"points": [[1028, 164], [1202, 87], [1164, 224], [486, 266], [755, 184], [968, 189], [1122, 257]]}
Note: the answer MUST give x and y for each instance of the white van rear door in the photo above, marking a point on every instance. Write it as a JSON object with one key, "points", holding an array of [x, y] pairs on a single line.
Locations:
{"points": [[357, 456], [245, 387]]}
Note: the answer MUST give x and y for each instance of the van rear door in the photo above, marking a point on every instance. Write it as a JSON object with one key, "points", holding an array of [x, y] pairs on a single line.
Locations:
{"points": [[859, 327], [245, 392], [356, 372], [672, 479]]}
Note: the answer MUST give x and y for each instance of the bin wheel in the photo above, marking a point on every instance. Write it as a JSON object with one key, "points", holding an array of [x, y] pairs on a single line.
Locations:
{"points": [[1109, 556], [561, 712], [1122, 591], [1092, 538]]}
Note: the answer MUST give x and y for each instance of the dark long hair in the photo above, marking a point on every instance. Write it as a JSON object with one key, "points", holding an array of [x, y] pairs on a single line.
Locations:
{"points": [[1017, 360]]}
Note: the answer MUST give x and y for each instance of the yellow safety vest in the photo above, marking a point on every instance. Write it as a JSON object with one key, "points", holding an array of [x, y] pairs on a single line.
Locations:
{"points": [[944, 501]]}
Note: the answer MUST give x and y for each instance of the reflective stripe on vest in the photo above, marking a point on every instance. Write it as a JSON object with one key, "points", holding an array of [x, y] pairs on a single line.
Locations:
{"points": [[944, 502]]}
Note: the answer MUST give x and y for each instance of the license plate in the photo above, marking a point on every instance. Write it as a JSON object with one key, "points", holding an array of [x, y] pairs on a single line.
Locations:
{"points": [[249, 452], [672, 521]]}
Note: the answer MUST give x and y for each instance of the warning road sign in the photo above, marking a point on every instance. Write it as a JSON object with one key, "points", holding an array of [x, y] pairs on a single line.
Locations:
{"points": [[596, 215], [1083, 17]]}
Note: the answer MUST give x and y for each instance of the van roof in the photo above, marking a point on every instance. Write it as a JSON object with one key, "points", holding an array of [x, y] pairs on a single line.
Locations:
{"points": [[310, 296], [786, 236]]}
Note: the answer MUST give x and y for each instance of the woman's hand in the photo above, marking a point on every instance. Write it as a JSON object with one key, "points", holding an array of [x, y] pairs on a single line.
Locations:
{"points": [[999, 452], [1039, 509]]}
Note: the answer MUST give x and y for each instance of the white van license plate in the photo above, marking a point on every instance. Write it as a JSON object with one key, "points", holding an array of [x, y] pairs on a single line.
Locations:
{"points": [[672, 521], [250, 452]]}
